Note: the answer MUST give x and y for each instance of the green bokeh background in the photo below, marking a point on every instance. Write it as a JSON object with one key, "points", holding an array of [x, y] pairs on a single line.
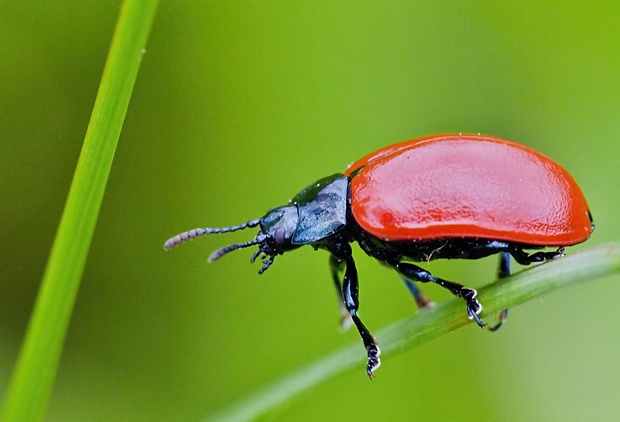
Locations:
{"points": [[238, 106]]}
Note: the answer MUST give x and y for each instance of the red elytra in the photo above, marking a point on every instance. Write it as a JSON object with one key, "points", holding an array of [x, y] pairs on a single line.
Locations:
{"points": [[461, 185]]}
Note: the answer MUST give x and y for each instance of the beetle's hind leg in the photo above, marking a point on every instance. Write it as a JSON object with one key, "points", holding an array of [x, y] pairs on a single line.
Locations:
{"points": [[522, 258], [414, 272], [336, 266], [503, 271]]}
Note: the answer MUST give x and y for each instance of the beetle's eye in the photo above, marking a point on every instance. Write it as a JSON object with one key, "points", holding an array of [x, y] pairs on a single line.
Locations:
{"points": [[279, 236]]}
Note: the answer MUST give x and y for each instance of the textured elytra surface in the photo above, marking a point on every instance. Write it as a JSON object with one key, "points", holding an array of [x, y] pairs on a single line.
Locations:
{"points": [[468, 186]]}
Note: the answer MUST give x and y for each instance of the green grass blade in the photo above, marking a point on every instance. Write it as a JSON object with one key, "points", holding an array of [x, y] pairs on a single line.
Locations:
{"points": [[405, 334], [32, 380]]}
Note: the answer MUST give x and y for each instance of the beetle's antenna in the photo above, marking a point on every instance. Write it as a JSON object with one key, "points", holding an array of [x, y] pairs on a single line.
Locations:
{"points": [[182, 237], [223, 251]]}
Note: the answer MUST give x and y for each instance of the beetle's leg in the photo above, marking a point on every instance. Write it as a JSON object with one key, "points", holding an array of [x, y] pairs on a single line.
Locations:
{"points": [[350, 293], [469, 295], [421, 300], [335, 267], [524, 258], [503, 271]]}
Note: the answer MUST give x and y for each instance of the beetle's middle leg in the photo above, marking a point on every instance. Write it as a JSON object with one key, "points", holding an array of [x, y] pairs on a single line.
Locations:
{"points": [[421, 300], [414, 272]]}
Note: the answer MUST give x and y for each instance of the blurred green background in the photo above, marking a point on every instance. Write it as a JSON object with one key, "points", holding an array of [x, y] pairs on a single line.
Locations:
{"points": [[239, 105]]}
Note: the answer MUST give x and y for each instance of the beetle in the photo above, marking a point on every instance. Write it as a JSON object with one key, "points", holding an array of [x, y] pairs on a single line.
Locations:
{"points": [[438, 197]]}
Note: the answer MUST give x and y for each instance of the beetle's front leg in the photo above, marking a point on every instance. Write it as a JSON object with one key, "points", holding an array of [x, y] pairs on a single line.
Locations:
{"points": [[350, 294], [336, 266], [350, 289]]}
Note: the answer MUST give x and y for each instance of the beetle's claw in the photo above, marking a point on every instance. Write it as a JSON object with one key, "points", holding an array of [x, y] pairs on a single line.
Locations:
{"points": [[559, 253], [373, 360], [501, 319], [473, 306], [474, 315]]}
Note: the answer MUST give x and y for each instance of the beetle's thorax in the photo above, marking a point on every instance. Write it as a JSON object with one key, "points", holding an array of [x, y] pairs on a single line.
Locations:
{"points": [[314, 215]]}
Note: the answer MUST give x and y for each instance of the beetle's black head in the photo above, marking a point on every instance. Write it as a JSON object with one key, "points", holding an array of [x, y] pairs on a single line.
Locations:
{"points": [[275, 237], [315, 214]]}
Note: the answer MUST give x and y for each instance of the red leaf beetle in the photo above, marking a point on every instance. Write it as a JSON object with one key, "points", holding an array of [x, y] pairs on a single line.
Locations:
{"points": [[443, 196]]}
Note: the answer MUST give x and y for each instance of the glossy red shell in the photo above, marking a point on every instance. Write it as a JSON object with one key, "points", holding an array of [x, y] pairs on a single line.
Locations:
{"points": [[449, 186]]}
